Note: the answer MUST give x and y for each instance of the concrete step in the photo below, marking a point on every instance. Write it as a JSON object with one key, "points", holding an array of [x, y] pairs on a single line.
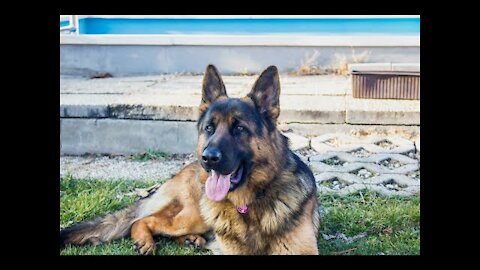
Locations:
{"points": [[131, 114], [307, 99]]}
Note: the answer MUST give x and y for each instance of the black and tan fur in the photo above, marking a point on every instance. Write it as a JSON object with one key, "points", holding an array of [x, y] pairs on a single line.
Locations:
{"points": [[277, 186]]}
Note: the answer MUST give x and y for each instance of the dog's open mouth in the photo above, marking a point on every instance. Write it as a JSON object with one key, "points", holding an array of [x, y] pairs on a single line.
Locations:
{"points": [[218, 185]]}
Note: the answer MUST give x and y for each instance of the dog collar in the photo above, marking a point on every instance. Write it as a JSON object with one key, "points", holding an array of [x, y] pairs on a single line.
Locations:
{"points": [[242, 209]]}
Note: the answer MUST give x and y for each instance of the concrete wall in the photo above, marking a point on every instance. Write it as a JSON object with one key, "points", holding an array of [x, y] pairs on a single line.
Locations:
{"points": [[80, 136], [80, 59]]}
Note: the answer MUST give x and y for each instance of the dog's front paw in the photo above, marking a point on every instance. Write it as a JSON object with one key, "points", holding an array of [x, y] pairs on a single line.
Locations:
{"points": [[145, 247], [192, 240]]}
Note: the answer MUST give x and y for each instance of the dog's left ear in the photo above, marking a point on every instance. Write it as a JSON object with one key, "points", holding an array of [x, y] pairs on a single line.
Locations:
{"points": [[266, 93]]}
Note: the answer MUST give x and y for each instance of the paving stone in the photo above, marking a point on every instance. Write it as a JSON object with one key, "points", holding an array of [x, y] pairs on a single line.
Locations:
{"points": [[336, 159], [322, 167], [375, 158], [296, 141], [345, 143], [386, 192]]}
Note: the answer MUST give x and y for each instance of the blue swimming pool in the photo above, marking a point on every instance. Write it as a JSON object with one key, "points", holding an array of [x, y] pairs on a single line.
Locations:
{"points": [[315, 26]]}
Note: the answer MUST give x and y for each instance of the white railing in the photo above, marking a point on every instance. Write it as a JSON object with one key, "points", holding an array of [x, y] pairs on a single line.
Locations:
{"points": [[72, 24]]}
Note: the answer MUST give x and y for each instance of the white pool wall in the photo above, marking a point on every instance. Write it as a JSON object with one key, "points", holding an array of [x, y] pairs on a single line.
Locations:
{"points": [[153, 54]]}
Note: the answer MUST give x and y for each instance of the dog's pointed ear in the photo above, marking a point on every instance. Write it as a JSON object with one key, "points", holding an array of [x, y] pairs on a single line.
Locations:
{"points": [[212, 88], [266, 93]]}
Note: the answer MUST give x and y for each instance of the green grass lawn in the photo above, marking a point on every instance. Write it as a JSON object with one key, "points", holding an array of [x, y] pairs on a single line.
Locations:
{"points": [[391, 224]]}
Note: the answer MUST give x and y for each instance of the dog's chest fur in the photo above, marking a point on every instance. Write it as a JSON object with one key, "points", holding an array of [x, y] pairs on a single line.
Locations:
{"points": [[270, 216]]}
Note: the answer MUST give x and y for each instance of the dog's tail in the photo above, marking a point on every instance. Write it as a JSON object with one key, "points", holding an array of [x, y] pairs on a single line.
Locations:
{"points": [[110, 227]]}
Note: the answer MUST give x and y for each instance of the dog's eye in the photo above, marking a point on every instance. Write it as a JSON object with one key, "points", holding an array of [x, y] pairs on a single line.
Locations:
{"points": [[209, 129], [240, 130]]}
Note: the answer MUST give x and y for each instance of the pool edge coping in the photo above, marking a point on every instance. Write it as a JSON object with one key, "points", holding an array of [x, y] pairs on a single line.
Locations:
{"points": [[243, 40], [64, 17]]}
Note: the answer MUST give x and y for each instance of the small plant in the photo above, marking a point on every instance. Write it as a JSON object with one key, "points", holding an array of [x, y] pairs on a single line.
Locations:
{"points": [[393, 185], [149, 155], [308, 66], [338, 66], [391, 164], [334, 184], [334, 161], [364, 173]]}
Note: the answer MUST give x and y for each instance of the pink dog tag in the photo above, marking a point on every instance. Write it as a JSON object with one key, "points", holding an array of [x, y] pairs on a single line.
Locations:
{"points": [[242, 209]]}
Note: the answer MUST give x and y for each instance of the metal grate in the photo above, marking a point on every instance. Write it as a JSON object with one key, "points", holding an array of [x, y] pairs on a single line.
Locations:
{"points": [[386, 85]]}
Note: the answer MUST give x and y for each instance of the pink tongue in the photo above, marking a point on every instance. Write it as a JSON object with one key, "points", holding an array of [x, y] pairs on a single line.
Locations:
{"points": [[217, 186]]}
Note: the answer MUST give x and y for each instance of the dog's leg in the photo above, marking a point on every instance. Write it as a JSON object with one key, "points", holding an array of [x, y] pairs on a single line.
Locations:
{"points": [[142, 236], [161, 222], [175, 219]]}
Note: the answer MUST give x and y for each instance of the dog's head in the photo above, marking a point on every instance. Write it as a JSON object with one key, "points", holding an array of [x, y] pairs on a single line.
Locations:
{"points": [[237, 137]]}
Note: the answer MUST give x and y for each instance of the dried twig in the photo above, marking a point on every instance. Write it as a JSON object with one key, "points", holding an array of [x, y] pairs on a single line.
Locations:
{"points": [[144, 192], [101, 75], [343, 251]]}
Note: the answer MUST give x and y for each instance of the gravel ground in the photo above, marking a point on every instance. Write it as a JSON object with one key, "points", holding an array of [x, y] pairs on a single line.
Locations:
{"points": [[120, 167]]}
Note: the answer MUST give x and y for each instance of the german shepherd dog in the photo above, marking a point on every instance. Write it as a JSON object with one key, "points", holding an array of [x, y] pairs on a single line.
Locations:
{"points": [[247, 193]]}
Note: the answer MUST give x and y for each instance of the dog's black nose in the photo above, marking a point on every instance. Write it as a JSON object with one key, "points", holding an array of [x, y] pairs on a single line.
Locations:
{"points": [[211, 156]]}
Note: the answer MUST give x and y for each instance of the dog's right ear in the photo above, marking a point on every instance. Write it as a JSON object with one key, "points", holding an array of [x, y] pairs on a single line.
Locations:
{"points": [[266, 93], [212, 88]]}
